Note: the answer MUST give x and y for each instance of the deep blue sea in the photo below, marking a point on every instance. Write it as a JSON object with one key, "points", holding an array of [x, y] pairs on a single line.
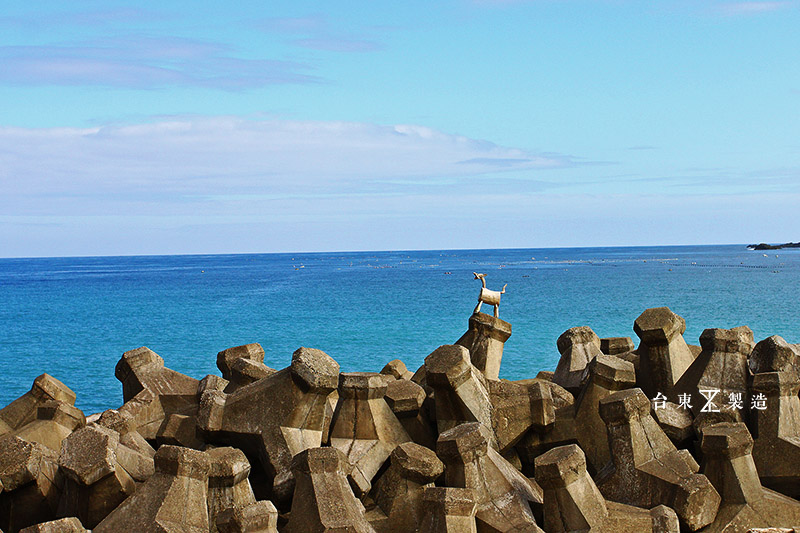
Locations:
{"points": [[74, 317]]}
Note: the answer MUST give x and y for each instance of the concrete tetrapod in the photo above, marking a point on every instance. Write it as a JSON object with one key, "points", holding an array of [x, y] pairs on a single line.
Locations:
{"points": [[95, 482], [323, 500], [30, 481], [448, 510], [55, 421], [572, 501], [24, 409], [274, 418], [777, 428], [397, 369], [646, 469], [399, 491], [516, 408], [460, 390], [405, 398], [720, 368], [364, 427], [134, 453], [663, 353], [152, 391], [485, 339], [774, 354], [228, 486], [502, 494], [174, 500], [604, 375], [616, 345], [258, 517], [577, 346], [249, 352], [728, 464]]}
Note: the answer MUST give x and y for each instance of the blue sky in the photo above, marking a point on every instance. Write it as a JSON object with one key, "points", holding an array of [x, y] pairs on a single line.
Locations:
{"points": [[192, 127]]}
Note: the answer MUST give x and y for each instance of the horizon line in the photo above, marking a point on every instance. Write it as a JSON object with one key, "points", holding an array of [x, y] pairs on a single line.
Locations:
{"points": [[314, 252]]}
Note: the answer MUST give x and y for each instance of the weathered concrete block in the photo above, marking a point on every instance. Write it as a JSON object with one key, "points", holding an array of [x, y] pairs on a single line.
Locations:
{"points": [[179, 430], [572, 501], [616, 345], [777, 428], [405, 398], [534, 443], [143, 368], [448, 510], [461, 391], [577, 346], [226, 358], [63, 525], [646, 469], [485, 339], [546, 432], [274, 418], [24, 409], [54, 422], [211, 382], [364, 427], [173, 500], [676, 422], [774, 354], [152, 392], [399, 491], [95, 483], [323, 500], [30, 482], [258, 517], [605, 374], [397, 369], [663, 353], [721, 366], [561, 396], [228, 486], [517, 408], [134, 454], [728, 464], [502, 494], [245, 372]]}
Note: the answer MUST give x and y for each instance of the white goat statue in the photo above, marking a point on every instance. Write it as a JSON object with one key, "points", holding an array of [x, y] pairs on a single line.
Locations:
{"points": [[487, 296]]}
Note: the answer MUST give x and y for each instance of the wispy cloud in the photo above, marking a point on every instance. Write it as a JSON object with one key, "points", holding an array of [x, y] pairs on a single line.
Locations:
{"points": [[144, 62], [318, 33], [642, 147], [189, 158], [94, 18], [751, 8], [339, 44], [308, 24]]}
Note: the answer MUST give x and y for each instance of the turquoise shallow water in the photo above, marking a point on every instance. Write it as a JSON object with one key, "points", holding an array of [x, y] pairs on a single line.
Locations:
{"points": [[74, 317]]}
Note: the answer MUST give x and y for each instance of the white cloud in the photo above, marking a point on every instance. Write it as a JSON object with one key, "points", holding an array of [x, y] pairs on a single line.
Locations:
{"points": [[318, 33], [189, 158], [137, 61]]}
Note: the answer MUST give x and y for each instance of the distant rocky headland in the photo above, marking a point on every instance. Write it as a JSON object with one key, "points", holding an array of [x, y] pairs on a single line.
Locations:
{"points": [[662, 437], [765, 246]]}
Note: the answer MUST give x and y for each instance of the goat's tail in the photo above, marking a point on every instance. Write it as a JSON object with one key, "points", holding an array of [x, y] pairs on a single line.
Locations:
{"points": [[504, 289]]}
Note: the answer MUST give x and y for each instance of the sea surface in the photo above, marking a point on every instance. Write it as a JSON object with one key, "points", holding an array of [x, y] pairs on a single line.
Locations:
{"points": [[74, 317]]}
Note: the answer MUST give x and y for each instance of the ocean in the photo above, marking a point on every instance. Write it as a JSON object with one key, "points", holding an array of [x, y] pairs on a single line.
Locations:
{"points": [[74, 317]]}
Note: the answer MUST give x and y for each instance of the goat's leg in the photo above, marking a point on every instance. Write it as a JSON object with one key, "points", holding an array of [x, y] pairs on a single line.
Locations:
{"points": [[497, 311], [478, 307]]}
